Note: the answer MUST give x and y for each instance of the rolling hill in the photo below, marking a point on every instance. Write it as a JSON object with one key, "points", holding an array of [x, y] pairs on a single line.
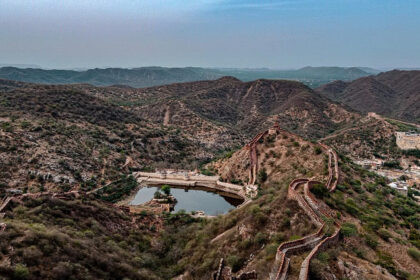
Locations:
{"points": [[244, 107], [394, 94], [152, 76], [136, 77], [58, 142]]}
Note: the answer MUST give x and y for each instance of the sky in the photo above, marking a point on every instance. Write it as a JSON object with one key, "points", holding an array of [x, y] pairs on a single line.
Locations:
{"points": [[276, 34]]}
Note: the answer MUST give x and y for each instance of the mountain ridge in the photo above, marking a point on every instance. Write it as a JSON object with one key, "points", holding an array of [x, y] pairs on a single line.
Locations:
{"points": [[394, 94], [155, 75]]}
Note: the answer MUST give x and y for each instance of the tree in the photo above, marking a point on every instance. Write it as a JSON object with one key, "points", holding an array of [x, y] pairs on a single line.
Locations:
{"points": [[166, 189], [262, 175]]}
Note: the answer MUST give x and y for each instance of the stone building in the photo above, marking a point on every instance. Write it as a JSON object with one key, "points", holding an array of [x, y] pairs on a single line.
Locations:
{"points": [[408, 140]]}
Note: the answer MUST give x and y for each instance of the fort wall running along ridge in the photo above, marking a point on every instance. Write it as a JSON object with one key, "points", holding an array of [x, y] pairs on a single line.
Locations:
{"points": [[316, 211]]}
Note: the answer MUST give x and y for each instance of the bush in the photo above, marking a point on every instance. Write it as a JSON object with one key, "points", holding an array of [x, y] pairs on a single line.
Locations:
{"points": [[262, 175], [371, 241], [271, 249], [318, 150], [234, 262], [412, 152], [323, 257], [348, 229], [319, 190], [392, 164], [21, 271], [260, 238], [414, 253], [166, 189], [384, 234]]}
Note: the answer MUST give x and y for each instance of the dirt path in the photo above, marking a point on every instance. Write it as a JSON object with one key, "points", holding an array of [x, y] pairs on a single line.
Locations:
{"points": [[167, 116]]}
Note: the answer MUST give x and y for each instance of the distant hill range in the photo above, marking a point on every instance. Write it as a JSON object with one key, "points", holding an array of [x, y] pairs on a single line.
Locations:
{"points": [[394, 94], [153, 76], [137, 77], [244, 107], [311, 76]]}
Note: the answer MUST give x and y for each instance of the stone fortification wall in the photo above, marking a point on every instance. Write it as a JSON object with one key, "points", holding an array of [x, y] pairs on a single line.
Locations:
{"points": [[327, 242]]}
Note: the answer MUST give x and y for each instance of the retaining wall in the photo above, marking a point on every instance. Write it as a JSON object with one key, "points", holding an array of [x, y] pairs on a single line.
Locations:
{"points": [[209, 182]]}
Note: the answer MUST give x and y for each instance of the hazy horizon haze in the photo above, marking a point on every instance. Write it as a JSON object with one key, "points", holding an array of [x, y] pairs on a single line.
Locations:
{"points": [[210, 33]]}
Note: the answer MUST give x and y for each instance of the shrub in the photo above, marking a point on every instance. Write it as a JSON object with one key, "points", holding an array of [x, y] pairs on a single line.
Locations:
{"points": [[166, 189], [318, 150], [207, 172], [234, 262], [262, 175], [271, 249], [295, 237], [384, 234], [260, 238], [21, 271], [414, 253], [157, 195], [371, 241], [412, 152], [323, 257], [319, 190], [348, 229], [392, 164]]}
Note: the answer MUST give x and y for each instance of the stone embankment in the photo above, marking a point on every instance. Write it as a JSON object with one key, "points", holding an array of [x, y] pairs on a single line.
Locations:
{"points": [[192, 179], [317, 212]]}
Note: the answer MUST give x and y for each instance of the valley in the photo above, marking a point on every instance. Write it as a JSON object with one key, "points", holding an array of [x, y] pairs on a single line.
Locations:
{"points": [[292, 184], [209, 140]]}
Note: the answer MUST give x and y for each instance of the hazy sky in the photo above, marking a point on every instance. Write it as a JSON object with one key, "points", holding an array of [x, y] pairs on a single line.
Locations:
{"points": [[218, 33]]}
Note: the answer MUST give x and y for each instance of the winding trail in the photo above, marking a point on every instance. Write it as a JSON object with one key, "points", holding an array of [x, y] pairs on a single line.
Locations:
{"points": [[299, 190]]}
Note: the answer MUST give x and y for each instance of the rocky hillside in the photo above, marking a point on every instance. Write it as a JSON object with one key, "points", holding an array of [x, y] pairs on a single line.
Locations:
{"points": [[152, 76], [51, 238], [136, 77], [379, 229], [47, 237], [242, 107], [275, 151], [61, 137], [393, 94], [73, 133]]}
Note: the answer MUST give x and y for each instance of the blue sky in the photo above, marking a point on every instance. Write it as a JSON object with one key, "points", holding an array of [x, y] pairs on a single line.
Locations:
{"points": [[215, 33]]}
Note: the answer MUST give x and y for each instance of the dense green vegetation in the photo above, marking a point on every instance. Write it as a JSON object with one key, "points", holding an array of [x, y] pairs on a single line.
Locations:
{"points": [[412, 152], [392, 164]]}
